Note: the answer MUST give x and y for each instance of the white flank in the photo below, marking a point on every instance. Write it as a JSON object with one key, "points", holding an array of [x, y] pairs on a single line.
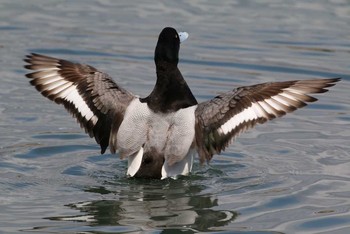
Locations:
{"points": [[134, 163], [180, 168]]}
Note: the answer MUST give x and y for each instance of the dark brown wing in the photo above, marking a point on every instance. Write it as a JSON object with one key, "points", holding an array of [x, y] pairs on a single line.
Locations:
{"points": [[219, 120], [92, 97]]}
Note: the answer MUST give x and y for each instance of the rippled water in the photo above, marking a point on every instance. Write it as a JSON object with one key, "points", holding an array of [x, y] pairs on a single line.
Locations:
{"points": [[290, 175]]}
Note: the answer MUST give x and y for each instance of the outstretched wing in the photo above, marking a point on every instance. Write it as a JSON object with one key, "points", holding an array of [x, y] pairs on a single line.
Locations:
{"points": [[91, 96], [219, 120]]}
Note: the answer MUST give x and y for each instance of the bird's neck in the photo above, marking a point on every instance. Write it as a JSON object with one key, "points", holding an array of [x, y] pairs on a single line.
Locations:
{"points": [[171, 91]]}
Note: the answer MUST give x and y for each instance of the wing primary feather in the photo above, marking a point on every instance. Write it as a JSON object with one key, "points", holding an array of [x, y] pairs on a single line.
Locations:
{"points": [[92, 97]]}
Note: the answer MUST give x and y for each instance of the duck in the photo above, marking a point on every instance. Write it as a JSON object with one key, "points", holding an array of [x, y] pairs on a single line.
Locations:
{"points": [[161, 134]]}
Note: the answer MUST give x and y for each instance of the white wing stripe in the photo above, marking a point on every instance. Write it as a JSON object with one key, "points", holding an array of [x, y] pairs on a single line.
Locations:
{"points": [[280, 100], [266, 107], [75, 98], [286, 95], [296, 91], [273, 104], [61, 88], [251, 113], [245, 115], [259, 109], [57, 85], [48, 75], [46, 69], [50, 79], [63, 94]]}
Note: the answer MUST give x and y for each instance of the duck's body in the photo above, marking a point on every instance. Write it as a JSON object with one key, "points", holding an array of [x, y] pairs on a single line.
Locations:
{"points": [[161, 133], [162, 139]]}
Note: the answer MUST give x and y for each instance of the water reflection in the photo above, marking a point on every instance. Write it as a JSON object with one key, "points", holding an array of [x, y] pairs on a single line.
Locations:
{"points": [[153, 204]]}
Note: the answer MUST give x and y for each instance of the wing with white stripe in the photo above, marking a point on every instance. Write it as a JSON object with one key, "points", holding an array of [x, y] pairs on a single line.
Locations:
{"points": [[219, 120], [92, 97]]}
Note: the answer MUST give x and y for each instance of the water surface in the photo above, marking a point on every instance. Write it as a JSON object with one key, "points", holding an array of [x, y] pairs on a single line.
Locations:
{"points": [[291, 175]]}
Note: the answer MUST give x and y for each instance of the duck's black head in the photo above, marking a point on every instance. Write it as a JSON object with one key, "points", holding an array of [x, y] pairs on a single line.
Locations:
{"points": [[171, 91], [168, 46]]}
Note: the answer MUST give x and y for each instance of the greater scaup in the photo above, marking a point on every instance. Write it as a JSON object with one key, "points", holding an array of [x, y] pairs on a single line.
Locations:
{"points": [[161, 133]]}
